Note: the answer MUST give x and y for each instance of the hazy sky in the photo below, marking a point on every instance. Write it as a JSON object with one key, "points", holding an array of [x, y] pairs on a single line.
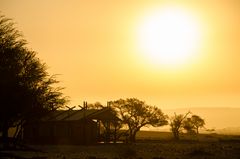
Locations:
{"points": [[93, 45]]}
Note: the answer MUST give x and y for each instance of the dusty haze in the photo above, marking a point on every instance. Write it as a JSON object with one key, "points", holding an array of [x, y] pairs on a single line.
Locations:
{"points": [[92, 45]]}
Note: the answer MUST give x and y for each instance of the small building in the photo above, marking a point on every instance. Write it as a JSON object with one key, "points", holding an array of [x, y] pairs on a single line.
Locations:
{"points": [[68, 127]]}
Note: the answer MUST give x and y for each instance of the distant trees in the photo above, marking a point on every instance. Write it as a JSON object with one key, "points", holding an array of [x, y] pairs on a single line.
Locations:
{"points": [[136, 114], [26, 89], [181, 122], [96, 105], [188, 126], [193, 124], [176, 124]]}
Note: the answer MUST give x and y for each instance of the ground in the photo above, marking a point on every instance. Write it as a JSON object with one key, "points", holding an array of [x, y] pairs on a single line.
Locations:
{"points": [[210, 146]]}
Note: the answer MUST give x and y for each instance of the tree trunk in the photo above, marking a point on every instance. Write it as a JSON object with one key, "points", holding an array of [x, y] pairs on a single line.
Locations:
{"points": [[197, 130], [5, 135], [115, 135], [132, 136], [176, 135]]}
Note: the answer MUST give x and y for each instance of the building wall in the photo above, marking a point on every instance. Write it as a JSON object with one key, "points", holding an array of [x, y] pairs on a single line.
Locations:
{"points": [[61, 132]]}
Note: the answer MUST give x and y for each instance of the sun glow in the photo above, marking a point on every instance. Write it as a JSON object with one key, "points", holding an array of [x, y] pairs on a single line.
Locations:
{"points": [[169, 37]]}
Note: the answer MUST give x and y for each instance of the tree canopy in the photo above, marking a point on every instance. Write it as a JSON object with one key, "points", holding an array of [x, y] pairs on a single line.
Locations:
{"points": [[26, 89], [193, 124], [136, 114], [180, 122], [176, 124]]}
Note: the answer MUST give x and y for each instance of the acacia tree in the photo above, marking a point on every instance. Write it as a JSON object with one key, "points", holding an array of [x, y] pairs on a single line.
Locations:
{"points": [[136, 114], [176, 124], [196, 122], [188, 126], [26, 89]]}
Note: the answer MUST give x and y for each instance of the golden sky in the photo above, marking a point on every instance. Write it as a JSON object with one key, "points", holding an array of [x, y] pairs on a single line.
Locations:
{"points": [[93, 46]]}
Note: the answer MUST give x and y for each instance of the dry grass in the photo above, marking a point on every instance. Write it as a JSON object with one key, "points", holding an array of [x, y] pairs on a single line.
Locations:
{"points": [[209, 146]]}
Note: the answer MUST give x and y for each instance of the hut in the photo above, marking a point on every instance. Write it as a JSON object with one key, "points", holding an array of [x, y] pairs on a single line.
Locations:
{"points": [[68, 127]]}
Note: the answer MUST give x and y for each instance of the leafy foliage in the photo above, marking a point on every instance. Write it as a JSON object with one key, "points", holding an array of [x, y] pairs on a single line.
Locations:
{"points": [[96, 105], [182, 121], [188, 126], [26, 89], [176, 124], [136, 114], [193, 124]]}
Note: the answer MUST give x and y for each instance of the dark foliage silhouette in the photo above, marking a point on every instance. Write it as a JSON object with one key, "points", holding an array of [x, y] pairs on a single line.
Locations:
{"points": [[136, 114], [180, 122], [111, 129], [176, 124], [26, 89], [192, 124]]}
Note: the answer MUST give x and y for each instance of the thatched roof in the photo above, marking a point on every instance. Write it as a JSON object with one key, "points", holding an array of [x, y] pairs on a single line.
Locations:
{"points": [[76, 115]]}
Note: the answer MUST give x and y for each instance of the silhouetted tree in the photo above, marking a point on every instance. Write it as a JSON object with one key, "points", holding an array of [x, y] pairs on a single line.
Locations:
{"points": [[111, 128], [26, 89], [188, 126], [192, 124], [96, 105], [136, 114], [176, 124], [197, 122]]}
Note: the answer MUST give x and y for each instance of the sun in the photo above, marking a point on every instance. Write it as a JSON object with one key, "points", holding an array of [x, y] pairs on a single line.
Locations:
{"points": [[169, 36]]}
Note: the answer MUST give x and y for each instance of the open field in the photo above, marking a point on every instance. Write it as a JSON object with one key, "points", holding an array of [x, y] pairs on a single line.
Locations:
{"points": [[208, 146], [166, 136], [157, 150]]}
